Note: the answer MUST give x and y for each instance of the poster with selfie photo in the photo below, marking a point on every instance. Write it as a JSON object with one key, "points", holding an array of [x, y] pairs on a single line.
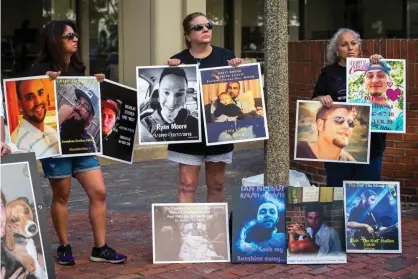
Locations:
{"points": [[79, 116], [168, 101], [25, 247], [382, 85], [233, 102], [32, 115], [119, 121], [339, 134]]}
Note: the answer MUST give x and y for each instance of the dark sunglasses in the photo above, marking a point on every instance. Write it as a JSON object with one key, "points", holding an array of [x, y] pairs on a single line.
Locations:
{"points": [[71, 36], [199, 27], [340, 120]]}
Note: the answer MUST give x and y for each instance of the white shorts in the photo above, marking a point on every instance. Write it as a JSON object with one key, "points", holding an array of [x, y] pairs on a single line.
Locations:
{"points": [[197, 160]]}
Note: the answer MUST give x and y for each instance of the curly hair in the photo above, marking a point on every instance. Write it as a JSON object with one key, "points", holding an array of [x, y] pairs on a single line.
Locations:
{"points": [[332, 56]]}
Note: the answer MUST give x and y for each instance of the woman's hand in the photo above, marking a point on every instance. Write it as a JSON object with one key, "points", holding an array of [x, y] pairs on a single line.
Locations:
{"points": [[374, 59], [5, 149], [235, 62], [53, 75], [326, 100], [100, 77], [173, 62], [19, 274]]}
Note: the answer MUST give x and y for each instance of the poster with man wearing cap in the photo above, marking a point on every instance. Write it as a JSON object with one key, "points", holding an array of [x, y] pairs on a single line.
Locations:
{"points": [[382, 85], [79, 115], [119, 120]]}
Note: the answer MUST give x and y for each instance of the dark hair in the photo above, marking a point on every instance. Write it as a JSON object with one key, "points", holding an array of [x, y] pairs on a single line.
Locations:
{"points": [[177, 71], [368, 193], [3, 198], [186, 25], [18, 83], [314, 207], [51, 46], [323, 111]]}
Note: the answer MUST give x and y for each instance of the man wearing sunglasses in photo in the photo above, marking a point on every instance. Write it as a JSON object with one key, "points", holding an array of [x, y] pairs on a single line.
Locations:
{"points": [[335, 127]]}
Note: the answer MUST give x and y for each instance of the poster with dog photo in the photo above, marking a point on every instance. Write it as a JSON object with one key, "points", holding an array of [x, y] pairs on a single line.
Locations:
{"points": [[119, 120], [382, 85], [339, 134], [168, 101], [25, 249], [233, 102], [32, 115], [79, 116], [190, 233]]}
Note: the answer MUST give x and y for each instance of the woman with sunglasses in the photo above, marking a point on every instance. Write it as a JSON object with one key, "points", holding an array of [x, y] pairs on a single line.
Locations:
{"points": [[58, 56], [198, 35], [331, 87]]}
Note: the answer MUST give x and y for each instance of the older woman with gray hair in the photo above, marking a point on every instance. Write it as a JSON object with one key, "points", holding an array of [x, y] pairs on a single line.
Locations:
{"points": [[331, 87]]}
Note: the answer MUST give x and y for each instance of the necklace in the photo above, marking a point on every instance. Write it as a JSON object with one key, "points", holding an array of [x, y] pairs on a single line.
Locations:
{"points": [[197, 60]]}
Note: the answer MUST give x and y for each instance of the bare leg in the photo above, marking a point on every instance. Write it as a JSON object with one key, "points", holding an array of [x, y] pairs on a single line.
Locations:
{"points": [[59, 206], [189, 178], [93, 184], [215, 180]]}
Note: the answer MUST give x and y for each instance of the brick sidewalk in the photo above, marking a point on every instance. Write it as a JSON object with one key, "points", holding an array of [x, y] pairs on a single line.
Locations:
{"points": [[131, 234]]}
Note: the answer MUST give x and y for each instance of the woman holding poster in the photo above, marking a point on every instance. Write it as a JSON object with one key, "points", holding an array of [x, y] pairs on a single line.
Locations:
{"points": [[58, 56], [331, 87], [198, 35]]}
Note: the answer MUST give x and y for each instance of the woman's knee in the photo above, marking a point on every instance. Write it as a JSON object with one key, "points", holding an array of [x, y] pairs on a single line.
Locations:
{"points": [[98, 194], [61, 198], [188, 183]]}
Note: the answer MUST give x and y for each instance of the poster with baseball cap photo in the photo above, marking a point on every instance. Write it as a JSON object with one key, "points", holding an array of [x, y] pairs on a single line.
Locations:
{"points": [[119, 121], [79, 115], [382, 85]]}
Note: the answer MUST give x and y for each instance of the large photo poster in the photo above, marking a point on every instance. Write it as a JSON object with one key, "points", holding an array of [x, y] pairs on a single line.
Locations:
{"points": [[233, 102], [259, 224], [373, 217], [315, 226], [339, 134], [190, 232], [119, 120], [25, 249], [168, 101], [32, 115], [383, 86], [79, 116]]}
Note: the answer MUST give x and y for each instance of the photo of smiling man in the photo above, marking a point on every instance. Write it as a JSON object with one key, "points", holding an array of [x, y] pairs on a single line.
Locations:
{"points": [[31, 110], [340, 133], [168, 98]]}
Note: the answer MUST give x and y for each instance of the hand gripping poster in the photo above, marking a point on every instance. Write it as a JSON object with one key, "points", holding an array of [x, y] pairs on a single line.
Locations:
{"points": [[315, 226], [382, 85], [258, 224], [233, 104], [373, 217], [168, 101]]}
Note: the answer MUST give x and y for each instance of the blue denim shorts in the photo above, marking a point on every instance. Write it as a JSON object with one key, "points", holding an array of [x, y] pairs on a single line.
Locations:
{"points": [[67, 167]]}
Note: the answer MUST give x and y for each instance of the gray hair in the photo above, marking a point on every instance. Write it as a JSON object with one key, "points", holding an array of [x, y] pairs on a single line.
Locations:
{"points": [[332, 45]]}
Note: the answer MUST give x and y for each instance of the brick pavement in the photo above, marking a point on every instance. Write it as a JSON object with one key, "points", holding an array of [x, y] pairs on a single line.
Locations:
{"points": [[131, 234]]}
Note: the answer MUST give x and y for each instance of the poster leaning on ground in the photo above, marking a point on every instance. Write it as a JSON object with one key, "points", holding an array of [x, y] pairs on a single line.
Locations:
{"points": [[190, 232], [168, 102], [382, 85], [233, 104], [338, 134], [373, 217], [24, 232], [315, 226]]}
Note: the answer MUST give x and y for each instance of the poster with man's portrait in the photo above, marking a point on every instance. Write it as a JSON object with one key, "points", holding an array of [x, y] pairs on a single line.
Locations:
{"points": [[32, 115], [79, 116], [168, 101], [372, 217], [190, 232], [233, 102], [25, 248], [259, 224], [315, 227], [382, 85], [340, 133], [119, 120]]}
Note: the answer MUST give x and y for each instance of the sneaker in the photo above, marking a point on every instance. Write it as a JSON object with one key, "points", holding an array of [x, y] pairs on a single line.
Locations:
{"points": [[106, 254], [65, 255]]}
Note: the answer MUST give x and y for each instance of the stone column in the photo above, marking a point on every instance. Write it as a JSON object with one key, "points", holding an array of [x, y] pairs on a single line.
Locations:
{"points": [[277, 92]]}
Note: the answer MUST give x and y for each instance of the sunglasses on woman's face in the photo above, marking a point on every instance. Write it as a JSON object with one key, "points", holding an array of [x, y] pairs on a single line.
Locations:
{"points": [[70, 36], [340, 120], [199, 27]]}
